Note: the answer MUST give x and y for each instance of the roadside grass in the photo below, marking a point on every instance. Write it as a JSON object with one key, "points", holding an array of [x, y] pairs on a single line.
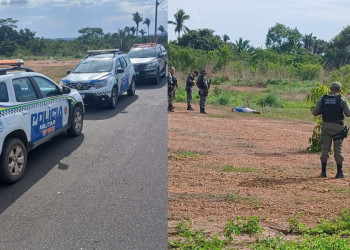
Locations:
{"points": [[229, 168], [268, 101], [188, 238], [187, 154], [328, 234]]}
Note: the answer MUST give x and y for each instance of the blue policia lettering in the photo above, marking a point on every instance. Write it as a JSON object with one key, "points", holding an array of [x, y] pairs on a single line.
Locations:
{"points": [[46, 122]]}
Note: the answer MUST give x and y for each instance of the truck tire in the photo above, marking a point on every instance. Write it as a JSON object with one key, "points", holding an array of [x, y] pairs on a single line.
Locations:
{"points": [[13, 161], [76, 124]]}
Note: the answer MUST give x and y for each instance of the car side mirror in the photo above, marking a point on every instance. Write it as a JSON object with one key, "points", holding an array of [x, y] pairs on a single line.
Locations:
{"points": [[120, 70], [65, 90], [68, 72]]}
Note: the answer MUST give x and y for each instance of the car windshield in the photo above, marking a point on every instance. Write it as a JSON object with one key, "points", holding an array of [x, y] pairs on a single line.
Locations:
{"points": [[142, 53], [94, 66]]}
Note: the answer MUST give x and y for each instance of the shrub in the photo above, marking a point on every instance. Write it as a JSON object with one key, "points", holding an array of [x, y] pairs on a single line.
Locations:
{"points": [[271, 100]]}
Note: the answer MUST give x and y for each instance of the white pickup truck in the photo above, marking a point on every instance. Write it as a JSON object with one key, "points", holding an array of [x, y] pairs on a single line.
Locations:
{"points": [[33, 109]]}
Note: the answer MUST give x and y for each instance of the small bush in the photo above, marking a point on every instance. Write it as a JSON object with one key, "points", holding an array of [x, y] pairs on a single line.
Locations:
{"points": [[271, 100]]}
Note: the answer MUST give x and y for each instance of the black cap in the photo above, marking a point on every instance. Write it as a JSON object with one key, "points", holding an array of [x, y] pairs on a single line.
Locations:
{"points": [[203, 72]]}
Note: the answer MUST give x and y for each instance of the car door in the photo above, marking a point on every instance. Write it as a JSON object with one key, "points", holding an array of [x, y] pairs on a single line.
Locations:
{"points": [[27, 106], [56, 108], [124, 80]]}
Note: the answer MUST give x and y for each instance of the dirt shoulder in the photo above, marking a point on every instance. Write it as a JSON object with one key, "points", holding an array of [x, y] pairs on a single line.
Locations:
{"points": [[268, 173]]}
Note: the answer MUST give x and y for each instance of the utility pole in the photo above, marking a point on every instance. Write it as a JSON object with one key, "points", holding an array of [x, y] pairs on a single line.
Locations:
{"points": [[155, 25]]}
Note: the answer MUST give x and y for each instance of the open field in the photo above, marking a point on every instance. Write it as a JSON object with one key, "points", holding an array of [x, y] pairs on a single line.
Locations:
{"points": [[55, 69], [224, 164]]}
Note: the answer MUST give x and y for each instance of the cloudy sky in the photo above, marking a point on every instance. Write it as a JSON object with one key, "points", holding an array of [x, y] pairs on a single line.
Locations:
{"points": [[251, 19], [63, 18]]}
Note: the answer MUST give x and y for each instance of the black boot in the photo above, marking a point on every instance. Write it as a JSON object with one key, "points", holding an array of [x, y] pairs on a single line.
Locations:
{"points": [[340, 173], [170, 108], [324, 170], [189, 107]]}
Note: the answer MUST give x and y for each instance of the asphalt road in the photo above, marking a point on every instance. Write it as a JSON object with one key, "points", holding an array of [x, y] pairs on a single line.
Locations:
{"points": [[106, 189]]}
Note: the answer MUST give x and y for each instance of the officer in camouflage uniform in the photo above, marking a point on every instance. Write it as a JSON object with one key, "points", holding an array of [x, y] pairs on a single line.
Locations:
{"points": [[189, 84], [332, 107], [203, 85], [172, 84]]}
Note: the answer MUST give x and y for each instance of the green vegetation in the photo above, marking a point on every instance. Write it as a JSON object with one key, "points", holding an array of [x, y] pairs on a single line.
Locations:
{"points": [[229, 168], [24, 44], [197, 239], [330, 234], [187, 154]]}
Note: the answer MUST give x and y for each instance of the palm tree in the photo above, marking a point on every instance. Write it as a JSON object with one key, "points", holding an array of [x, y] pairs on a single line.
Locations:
{"points": [[137, 17], [241, 45], [225, 38], [142, 32], [132, 30], [127, 30], [161, 29], [147, 21], [180, 18], [121, 34]]}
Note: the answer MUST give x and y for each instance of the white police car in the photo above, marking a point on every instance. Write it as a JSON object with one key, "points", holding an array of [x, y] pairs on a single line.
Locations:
{"points": [[102, 76], [33, 109]]}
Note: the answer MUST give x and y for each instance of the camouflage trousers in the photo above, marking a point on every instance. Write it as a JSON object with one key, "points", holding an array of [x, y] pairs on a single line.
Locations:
{"points": [[171, 97], [327, 135], [202, 98], [189, 95]]}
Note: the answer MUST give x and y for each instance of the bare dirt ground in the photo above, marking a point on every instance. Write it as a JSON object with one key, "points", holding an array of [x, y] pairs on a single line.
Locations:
{"points": [[272, 176], [55, 69]]}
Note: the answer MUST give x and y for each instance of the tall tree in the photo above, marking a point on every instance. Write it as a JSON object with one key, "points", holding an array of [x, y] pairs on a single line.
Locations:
{"points": [[127, 30], [161, 29], [147, 21], [225, 38], [241, 45], [337, 52], [137, 17], [142, 32], [132, 30], [283, 39], [180, 17]]}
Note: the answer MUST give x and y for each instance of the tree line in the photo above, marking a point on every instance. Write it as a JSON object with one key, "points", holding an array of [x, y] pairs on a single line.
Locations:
{"points": [[23, 42], [287, 51]]}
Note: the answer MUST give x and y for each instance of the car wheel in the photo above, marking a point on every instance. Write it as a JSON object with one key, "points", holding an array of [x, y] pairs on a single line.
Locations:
{"points": [[157, 79], [131, 90], [13, 160], [76, 124], [114, 98]]}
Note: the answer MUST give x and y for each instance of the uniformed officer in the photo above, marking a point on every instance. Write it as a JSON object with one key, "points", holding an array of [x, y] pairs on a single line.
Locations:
{"points": [[333, 107], [203, 85], [172, 84], [189, 84]]}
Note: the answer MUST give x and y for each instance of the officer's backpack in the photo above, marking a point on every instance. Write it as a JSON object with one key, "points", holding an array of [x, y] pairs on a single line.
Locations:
{"points": [[200, 82]]}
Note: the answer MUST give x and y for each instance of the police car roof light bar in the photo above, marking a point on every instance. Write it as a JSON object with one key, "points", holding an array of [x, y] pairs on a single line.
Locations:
{"points": [[17, 66], [103, 51], [17, 62], [144, 45]]}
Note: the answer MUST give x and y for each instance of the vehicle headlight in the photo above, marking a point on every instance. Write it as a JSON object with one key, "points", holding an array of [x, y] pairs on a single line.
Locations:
{"points": [[100, 84], [151, 65]]}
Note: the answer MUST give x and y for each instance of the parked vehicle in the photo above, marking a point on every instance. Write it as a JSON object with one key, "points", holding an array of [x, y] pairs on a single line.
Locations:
{"points": [[102, 76], [33, 109], [150, 61]]}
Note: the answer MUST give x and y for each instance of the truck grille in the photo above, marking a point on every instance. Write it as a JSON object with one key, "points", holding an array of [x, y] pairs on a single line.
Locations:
{"points": [[80, 85]]}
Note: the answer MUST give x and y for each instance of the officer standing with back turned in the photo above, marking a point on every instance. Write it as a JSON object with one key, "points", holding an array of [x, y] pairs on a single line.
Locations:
{"points": [[332, 107], [203, 84], [172, 84], [190, 82]]}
